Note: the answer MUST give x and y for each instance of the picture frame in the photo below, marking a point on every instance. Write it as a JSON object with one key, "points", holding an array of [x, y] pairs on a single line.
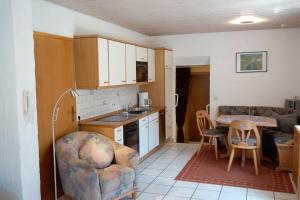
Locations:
{"points": [[249, 62]]}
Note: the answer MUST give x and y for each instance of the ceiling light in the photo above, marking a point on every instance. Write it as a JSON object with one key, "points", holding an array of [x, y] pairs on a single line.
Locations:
{"points": [[247, 19]]}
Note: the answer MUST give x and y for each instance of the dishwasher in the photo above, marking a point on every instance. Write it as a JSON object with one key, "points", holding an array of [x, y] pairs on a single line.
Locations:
{"points": [[131, 135]]}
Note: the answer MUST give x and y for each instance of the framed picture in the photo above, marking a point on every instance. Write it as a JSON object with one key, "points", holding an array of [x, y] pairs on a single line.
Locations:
{"points": [[251, 61]]}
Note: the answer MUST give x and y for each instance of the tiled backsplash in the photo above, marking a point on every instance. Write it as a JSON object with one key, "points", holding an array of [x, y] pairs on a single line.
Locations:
{"points": [[91, 103]]}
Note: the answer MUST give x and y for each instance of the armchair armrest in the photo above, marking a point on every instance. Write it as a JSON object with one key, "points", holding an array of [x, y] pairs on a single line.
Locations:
{"points": [[79, 179], [125, 156]]}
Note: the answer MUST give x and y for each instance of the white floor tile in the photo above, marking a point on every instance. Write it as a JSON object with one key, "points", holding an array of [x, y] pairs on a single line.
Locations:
{"points": [[260, 193], [285, 196], [158, 166], [235, 190], [151, 172], [158, 189], [169, 173], [175, 167], [181, 192], [164, 181], [206, 186], [169, 197], [141, 186], [150, 196], [232, 196], [144, 178], [259, 198], [206, 194], [186, 184]]}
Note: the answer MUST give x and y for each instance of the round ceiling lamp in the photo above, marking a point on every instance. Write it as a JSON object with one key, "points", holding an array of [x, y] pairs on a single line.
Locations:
{"points": [[247, 19]]}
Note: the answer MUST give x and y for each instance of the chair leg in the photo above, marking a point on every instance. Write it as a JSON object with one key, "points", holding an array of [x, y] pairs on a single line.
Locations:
{"points": [[258, 157], [210, 142], [231, 159], [200, 146], [255, 161], [243, 157], [215, 140]]}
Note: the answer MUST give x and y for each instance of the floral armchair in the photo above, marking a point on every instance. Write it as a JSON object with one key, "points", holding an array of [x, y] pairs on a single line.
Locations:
{"points": [[82, 180]]}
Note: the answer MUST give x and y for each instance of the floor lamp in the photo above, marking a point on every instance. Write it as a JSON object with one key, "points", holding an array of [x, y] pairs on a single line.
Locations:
{"points": [[55, 112]]}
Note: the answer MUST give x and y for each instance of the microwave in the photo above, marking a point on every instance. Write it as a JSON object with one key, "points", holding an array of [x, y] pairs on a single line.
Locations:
{"points": [[141, 71]]}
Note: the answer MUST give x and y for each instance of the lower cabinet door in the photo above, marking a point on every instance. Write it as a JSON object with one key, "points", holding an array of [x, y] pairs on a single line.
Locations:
{"points": [[153, 134], [143, 138]]}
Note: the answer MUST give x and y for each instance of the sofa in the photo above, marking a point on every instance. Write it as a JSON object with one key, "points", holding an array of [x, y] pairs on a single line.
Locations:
{"points": [[271, 137], [92, 167]]}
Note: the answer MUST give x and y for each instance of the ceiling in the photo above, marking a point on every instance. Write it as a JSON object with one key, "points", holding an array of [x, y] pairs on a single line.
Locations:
{"points": [[163, 17]]}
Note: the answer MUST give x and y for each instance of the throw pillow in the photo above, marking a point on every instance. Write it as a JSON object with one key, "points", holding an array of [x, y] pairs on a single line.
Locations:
{"points": [[98, 152], [287, 122]]}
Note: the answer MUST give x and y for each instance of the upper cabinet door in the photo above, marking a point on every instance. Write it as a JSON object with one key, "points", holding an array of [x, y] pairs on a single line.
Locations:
{"points": [[117, 75], [151, 65], [103, 62], [130, 64], [141, 54]]}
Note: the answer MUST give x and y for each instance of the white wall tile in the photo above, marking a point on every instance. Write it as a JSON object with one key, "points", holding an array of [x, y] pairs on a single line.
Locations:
{"points": [[91, 103]]}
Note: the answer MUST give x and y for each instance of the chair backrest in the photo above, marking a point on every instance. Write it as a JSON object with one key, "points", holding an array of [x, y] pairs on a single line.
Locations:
{"points": [[203, 121], [243, 131]]}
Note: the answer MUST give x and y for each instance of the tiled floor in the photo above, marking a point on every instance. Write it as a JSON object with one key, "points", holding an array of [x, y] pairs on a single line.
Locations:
{"points": [[155, 180]]}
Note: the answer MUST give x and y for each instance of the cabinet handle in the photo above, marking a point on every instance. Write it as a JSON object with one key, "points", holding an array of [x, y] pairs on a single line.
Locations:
{"points": [[119, 130], [146, 126], [123, 81], [149, 79], [105, 81], [142, 58], [133, 80]]}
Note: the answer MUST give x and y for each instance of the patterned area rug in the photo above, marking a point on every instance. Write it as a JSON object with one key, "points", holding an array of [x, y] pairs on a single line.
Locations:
{"points": [[206, 169]]}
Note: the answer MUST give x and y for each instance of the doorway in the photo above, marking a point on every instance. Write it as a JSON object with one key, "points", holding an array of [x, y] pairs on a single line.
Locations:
{"points": [[196, 97]]}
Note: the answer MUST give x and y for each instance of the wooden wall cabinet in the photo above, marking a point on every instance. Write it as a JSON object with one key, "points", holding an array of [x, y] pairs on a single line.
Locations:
{"points": [[91, 62], [141, 54], [151, 65], [101, 62], [130, 64], [117, 63]]}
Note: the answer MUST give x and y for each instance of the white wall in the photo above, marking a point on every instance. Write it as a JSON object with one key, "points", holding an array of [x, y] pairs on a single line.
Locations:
{"points": [[51, 18], [229, 88], [19, 160]]}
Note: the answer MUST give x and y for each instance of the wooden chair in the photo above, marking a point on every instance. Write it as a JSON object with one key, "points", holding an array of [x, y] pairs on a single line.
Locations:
{"points": [[207, 129], [244, 135]]}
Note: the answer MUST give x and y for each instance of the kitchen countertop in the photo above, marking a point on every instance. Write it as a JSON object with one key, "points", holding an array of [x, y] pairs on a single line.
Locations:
{"points": [[95, 120]]}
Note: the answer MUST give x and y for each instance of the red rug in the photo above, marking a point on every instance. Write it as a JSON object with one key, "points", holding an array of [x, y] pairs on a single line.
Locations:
{"points": [[206, 169]]}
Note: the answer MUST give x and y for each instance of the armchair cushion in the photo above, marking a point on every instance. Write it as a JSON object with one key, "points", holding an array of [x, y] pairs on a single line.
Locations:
{"points": [[115, 180], [125, 156], [98, 152]]}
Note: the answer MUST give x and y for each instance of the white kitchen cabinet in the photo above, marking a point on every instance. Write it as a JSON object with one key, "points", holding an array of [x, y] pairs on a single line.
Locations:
{"points": [[153, 131], [117, 64], [141, 54], [143, 136], [103, 62], [130, 64], [118, 135], [170, 95], [151, 65]]}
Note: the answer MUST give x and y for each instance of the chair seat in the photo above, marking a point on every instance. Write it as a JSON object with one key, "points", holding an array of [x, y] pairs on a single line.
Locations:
{"points": [[215, 133], [115, 180], [250, 141]]}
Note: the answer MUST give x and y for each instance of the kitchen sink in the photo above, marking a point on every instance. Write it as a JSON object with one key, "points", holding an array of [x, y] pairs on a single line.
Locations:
{"points": [[117, 118]]}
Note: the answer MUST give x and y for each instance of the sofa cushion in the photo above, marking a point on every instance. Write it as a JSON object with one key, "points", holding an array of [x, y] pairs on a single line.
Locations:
{"points": [[287, 122], [267, 111], [233, 110], [97, 151], [115, 180]]}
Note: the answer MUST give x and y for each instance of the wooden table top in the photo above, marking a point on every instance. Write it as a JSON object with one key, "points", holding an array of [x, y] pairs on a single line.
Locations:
{"points": [[258, 120]]}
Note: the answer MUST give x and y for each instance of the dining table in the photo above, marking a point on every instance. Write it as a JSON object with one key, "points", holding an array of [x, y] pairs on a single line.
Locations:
{"points": [[260, 121]]}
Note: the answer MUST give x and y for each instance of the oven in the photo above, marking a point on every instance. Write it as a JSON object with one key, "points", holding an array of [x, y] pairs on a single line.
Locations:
{"points": [[131, 135], [141, 71]]}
